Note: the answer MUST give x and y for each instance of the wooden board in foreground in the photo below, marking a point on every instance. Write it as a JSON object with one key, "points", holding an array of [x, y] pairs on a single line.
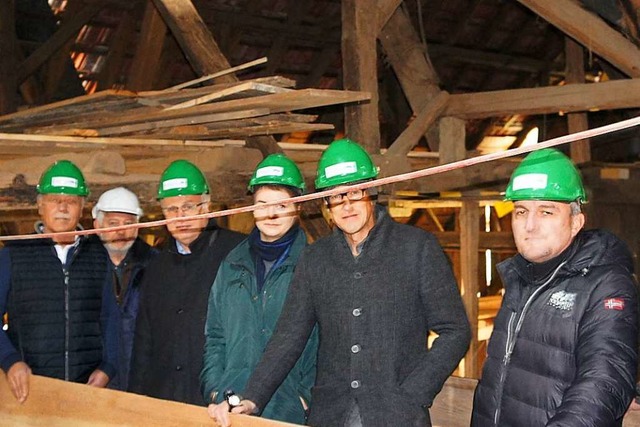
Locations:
{"points": [[55, 403]]}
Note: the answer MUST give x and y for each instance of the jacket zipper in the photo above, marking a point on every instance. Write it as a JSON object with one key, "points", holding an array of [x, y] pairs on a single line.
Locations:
{"points": [[512, 335], [67, 327]]}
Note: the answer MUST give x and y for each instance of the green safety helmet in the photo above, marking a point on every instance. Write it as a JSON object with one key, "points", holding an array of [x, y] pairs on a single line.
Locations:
{"points": [[63, 177], [546, 174], [344, 162], [182, 178], [277, 169]]}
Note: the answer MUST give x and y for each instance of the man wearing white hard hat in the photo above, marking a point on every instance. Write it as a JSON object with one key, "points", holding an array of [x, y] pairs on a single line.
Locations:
{"points": [[129, 257]]}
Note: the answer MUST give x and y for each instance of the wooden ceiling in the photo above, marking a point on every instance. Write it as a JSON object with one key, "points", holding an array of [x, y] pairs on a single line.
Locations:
{"points": [[503, 67]]}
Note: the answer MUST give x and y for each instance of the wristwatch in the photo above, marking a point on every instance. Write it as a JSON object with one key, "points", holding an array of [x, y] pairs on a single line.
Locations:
{"points": [[232, 398]]}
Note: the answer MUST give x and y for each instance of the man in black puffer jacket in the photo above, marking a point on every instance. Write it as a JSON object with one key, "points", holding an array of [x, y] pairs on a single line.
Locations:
{"points": [[564, 346]]}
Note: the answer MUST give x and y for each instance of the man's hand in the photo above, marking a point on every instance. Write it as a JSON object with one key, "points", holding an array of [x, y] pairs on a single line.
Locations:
{"points": [[18, 377], [98, 379], [220, 412]]}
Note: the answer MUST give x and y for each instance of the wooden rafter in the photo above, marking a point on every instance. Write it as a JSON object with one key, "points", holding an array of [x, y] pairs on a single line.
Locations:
{"points": [[146, 60], [407, 56], [194, 37], [60, 37], [591, 31]]}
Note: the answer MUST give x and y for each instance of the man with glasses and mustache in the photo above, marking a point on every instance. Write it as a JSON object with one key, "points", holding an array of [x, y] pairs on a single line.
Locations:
{"points": [[169, 335], [376, 289], [129, 256], [52, 290]]}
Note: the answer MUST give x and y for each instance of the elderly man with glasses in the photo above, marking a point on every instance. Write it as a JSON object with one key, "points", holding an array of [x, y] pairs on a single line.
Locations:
{"points": [[375, 288], [169, 337]]}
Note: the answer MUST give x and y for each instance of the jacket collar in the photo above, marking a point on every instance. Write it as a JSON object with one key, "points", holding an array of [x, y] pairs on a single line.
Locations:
{"points": [[241, 256], [204, 240]]}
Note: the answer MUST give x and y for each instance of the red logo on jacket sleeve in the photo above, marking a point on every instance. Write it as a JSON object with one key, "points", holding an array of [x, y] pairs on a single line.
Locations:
{"points": [[614, 304]]}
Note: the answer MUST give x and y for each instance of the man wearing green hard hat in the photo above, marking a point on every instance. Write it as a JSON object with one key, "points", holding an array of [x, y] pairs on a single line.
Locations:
{"points": [[375, 288], [168, 342], [53, 288], [563, 351], [248, 294]]}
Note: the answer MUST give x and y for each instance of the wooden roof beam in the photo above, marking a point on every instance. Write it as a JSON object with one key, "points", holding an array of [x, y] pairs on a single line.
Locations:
{"points": [[146, 60], [68, 29], [609, 95], [407, 56], [194, 37], [591, 31]]}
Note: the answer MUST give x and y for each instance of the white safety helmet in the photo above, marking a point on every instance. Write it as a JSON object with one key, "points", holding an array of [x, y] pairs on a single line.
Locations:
{"points": [[117, 200]]}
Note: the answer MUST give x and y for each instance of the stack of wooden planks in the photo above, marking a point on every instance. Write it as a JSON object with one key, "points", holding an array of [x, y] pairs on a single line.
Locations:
{"points": [[235, 110]]}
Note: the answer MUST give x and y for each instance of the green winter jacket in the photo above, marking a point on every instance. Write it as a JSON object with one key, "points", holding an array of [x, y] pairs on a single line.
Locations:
{"points": [[239, 324]]}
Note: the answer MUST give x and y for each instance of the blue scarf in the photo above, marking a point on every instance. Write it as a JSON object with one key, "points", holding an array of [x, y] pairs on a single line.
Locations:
{"points": [[273, 253]]}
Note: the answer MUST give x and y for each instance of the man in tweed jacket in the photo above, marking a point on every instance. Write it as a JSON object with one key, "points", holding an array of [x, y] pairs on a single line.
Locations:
{"points": [[375, 288]]}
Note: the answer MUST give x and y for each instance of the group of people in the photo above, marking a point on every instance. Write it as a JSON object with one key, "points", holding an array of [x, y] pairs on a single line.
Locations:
{"points": [[331, 334]]}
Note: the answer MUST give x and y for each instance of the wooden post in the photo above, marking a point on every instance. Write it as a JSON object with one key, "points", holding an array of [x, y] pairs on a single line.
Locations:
{"points": [[146, 60], [359, 68], [8, 81], [469, 244], [194, 37], [452, 140], [577, 122]]}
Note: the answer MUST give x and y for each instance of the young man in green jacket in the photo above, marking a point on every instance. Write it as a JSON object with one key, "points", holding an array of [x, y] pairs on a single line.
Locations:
{"points": [[249, 292]]}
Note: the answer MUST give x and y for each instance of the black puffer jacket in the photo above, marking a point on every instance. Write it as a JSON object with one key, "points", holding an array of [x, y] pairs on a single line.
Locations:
{"points": [[564, 349]]}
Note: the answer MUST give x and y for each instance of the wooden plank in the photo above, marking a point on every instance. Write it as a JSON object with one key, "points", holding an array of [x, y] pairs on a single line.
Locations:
{"points": [[609, 95], [591, 31], [164, 123], [410, 137], [452, 140], [406, 54], [146, 60], [469, 246], [360, 71], [228, 91], [67, 30], [236, 132], [276, 103], [79, 405], [577, 122], [193, 36], [29, 114], [218, 74], [8, 46]]}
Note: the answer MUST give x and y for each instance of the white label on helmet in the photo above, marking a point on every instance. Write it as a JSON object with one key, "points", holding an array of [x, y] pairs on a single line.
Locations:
{"points": [[270, 171], [172, 184], [530, 181], [64, 181], [344, 168]]}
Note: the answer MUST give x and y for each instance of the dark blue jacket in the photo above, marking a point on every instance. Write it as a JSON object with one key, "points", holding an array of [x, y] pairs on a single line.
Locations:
{"points": [[75, 316], [131, 272]]}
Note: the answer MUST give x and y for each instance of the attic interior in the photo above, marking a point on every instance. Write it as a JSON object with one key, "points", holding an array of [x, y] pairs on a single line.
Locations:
{"points": [[418, 82]]}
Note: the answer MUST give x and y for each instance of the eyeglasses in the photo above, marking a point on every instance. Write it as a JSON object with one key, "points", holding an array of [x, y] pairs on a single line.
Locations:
{"points": [[186, 209], [351, 195]]}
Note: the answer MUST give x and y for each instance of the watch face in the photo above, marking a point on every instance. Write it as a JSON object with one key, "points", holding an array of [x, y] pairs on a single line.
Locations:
{"points": [[234, 400]]}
